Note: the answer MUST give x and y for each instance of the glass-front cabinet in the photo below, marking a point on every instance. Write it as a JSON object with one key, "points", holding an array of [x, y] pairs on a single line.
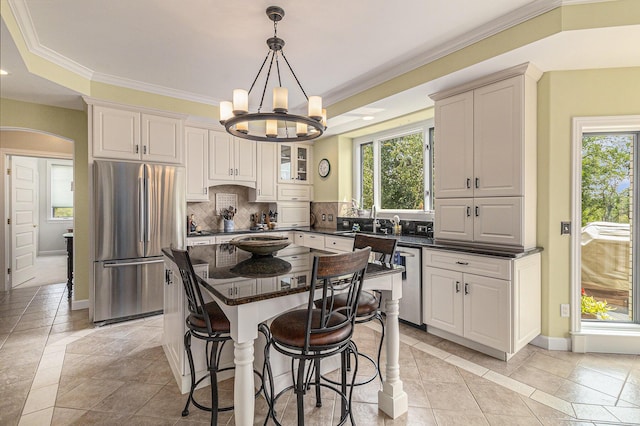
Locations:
{"points": [[294, 162]]}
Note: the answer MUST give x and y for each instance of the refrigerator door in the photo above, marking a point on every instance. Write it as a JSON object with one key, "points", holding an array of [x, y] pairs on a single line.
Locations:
{"points": [[119, 222], [128, 288], [165, 213]]}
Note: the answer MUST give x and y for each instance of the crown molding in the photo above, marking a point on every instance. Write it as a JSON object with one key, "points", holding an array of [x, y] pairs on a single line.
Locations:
{"points": [[27, 29], [491, 28], [153, 88]]}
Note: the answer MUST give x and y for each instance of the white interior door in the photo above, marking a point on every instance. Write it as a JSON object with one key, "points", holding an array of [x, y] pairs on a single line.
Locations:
{"points": [[24, 220]]}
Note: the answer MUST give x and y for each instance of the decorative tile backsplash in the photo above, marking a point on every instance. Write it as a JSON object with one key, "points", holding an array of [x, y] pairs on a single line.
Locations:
{"points": [[330, 211], [208, 218]]}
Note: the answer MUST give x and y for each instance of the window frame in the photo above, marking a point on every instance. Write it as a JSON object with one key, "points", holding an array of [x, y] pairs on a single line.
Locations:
{"points": [[425, 127], [50, 217]]}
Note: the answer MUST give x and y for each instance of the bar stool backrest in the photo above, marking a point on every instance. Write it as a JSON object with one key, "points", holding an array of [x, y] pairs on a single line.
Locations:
{"points": [[334, 274], [383, 248], [195, 301]]}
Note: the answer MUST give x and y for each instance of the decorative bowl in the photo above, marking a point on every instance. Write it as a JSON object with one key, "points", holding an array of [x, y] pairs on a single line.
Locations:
{"points": [[261, 267], [261, 245]]}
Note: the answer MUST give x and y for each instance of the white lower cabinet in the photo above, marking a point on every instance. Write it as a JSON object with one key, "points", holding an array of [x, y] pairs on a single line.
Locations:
{"points": [[488, 303], [338, 244]]}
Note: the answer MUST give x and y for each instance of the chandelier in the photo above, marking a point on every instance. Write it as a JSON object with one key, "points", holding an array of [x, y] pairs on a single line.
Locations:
{"points": [[279, 125]]}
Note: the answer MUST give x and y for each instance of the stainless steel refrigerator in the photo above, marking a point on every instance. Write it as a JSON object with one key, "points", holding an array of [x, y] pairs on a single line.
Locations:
{"points": [[139, 209]]}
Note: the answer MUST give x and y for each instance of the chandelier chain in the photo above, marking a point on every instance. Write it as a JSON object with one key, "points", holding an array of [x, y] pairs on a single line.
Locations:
{"points": [[295, 76]]}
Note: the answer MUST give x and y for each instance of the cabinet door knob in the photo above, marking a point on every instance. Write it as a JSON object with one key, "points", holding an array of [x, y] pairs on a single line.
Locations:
{"points": [[462, 263], [468, 183], [230, 172], [477, 182], [468, 211], [236, 172], [144, 149], [477, 211], [457, 286], [466, 288], [137, 149]]}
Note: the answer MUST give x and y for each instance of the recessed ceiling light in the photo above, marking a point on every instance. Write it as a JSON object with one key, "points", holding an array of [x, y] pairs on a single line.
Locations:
{"points": [[4, 72], [368, 117]]}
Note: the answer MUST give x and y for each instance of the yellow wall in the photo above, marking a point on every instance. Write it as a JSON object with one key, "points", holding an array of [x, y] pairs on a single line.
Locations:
{"points": [[563, 95], [69, 124]]}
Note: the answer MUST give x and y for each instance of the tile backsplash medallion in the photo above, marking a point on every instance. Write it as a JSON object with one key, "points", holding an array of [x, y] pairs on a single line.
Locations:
{"points": [[334, 209], [207, 214]]}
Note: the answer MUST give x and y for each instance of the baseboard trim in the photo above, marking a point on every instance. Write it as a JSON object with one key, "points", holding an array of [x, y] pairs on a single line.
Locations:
{"points": [[552, 343], [76, 305], [609, 341]]}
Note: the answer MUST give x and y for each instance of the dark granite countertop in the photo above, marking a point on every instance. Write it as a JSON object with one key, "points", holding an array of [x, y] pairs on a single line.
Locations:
{"points": [[415, 241], [223, 268]]}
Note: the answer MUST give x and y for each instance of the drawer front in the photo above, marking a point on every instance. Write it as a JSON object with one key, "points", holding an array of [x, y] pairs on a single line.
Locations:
{"points": [[200, 241], [299, 262], [294, 192], [314, 241], [340, 244], [468, 263]]}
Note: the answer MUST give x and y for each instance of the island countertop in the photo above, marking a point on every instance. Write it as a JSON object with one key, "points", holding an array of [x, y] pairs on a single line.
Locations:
{"points": [[236, 277]]}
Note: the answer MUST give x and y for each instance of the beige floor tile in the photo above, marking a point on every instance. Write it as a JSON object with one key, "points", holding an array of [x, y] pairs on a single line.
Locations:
{"points": [[168, 403], [88, 394], [16, 373], [495, 399], [38, 418], [537, 378], [553, 402], [501, 420], [617, 366], [65, 416], [596, 380], [150, 421], [431, 350], [509, 383], [101, 418], [459, 417], [593, 412], [558, 367], [46, 376], [129, 398], [629, 415], [631, 393], [41, 398], [450, 396], [575, 393], [469, 366], [416, 416]]}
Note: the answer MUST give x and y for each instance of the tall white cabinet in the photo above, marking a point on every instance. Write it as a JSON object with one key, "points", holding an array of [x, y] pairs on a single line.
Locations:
{"points": [[485, 159]]}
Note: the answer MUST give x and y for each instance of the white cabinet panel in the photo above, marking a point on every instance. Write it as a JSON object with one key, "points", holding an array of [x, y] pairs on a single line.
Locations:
{"points": [[487, 311], [454, 156], [453, 219], [231, 160], [293, 214], [197, 152], [442, 299], [338, 244], [266, 175], [292, 192], [498, 220], [315, 241], [116, 133], [161, 139], [498, 139]]}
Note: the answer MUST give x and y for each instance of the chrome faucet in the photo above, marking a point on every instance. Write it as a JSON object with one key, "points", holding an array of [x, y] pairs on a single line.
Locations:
{"points": [[376, 222]]}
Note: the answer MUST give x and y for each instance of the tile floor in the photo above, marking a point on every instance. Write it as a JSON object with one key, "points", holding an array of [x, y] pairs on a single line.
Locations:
{"points": [[55, 368]]}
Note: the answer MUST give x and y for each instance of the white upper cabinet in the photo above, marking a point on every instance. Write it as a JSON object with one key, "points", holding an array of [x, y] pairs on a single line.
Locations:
{"points": [[498, 139], [197, 156], [266, 174], [485, 159], [454, 156], [231, 160], [126, 134], [294, 163], [161, 139]]}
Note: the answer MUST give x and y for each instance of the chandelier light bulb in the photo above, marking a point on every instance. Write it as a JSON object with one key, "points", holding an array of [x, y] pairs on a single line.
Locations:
{"points": [[240, 101], [272, 128], [243, 127], [301, 129], [226, 111], [315, 107], [324, 117], [280, 99]]}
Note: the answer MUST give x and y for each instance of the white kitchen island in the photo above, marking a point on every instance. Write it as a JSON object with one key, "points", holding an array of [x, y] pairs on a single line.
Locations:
{"points": [[250, 293]]}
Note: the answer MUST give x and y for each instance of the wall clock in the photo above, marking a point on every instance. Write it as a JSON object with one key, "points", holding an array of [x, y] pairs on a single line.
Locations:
{"points": [[324, 168]]}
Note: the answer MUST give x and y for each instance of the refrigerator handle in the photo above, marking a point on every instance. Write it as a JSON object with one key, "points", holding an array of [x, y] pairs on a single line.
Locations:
{"points": [[118, 265], [141, 220], [147, 213]]}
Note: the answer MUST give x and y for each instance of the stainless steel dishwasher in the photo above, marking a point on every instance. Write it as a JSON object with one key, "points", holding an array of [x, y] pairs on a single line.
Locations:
{"points": [[411, 302]]}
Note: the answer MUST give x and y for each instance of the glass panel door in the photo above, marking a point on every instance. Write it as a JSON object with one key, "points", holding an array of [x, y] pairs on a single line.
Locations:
{"points": [[302, 166], [285, 163], [607, 249]]}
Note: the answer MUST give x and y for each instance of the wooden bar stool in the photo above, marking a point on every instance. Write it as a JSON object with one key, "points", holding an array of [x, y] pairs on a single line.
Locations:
{"points": [[207, 322], [384, 250], [315, 333]]}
